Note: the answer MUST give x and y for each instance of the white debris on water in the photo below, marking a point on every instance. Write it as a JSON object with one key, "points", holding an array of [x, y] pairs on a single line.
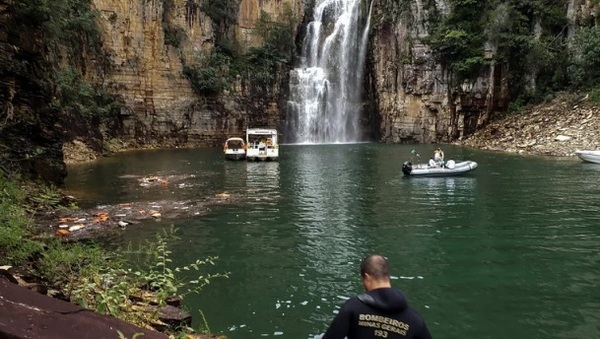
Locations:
{"points": [[75, 228]]}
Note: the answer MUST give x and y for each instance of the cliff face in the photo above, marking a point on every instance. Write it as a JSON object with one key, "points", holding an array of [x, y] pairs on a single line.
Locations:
{"points": [[148, 70], [414, 94]]}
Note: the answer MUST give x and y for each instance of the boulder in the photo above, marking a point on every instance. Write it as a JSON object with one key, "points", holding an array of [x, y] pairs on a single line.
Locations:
{"points": [[28, 314]]}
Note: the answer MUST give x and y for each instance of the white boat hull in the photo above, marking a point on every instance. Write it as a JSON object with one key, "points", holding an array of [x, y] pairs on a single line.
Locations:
{"points": [[235, 155], [234, 149], [424, 170], [589, 156]]}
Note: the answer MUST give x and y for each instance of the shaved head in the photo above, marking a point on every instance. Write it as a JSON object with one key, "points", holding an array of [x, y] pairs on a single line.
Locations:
{"points": [[376, 266]]}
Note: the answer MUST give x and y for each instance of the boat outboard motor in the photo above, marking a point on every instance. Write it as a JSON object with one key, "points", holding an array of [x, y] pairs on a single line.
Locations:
{"points": [[407, 167]]}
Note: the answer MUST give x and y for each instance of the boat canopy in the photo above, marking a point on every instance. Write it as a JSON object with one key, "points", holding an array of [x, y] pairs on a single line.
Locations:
{"points": [[272, 133]]}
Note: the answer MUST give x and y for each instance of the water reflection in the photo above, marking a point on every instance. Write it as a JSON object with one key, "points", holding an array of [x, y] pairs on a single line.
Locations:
{"points": [[514, 243], [325, 185], [262, 181]]}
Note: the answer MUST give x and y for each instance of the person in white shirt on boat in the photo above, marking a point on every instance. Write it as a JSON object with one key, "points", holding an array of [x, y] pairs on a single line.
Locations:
{"points": [[432, 163]]}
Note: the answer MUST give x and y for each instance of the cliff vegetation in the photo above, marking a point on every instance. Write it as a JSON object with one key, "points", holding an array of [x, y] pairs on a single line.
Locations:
{"points": [[52, 90], [541, 50], [444, 69]]}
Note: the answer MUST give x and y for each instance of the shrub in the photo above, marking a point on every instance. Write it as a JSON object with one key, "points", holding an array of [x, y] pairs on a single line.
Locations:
{"points": [[210, 74], [14, 225], [110, 284], [584, 70]]}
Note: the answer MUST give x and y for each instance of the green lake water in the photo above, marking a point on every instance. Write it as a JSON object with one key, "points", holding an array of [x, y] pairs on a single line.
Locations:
{"points": [[511, 250]]}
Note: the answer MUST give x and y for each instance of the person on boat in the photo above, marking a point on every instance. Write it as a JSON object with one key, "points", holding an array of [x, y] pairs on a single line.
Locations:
{"points": [[381, 312], [432, 163], [438, 156]]}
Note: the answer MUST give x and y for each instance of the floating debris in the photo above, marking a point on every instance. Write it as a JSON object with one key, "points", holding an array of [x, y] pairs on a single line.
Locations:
{"points": [[76, 228], [62, 232]]}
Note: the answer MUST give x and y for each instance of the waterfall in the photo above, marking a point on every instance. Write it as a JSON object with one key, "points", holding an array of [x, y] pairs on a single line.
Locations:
{"points": [[326, 90]]}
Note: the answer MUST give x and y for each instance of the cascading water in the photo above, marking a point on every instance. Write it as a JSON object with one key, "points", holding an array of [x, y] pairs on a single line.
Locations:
{"points": [[325, 91]]}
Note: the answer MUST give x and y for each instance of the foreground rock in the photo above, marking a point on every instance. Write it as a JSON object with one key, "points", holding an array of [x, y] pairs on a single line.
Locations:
{"points": [[28, 314], [567, 124]]}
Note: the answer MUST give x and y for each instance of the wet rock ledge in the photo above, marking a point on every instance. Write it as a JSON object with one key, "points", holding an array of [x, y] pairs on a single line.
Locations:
{"points": [[28, 314]]}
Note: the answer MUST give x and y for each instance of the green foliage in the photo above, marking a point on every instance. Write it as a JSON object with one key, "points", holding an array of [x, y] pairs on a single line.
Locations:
{"points": [[70, 30], [14, 225], [584, 70], [70, 23], [67, 264], [457, 41], [278, 37], [174, 35], [210, 74], [162, 279], [111, 284], [43, 197], [261, 65], [77, 96], [516, 106], [222, 12], [595, 96], [525, 37]]}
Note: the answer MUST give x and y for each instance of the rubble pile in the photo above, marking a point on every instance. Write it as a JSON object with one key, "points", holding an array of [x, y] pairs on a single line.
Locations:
{"points": [[558, 128]]}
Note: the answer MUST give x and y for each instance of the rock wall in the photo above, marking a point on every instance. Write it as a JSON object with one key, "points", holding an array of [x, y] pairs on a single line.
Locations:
{"points": [[412, 92], [160, 104]]}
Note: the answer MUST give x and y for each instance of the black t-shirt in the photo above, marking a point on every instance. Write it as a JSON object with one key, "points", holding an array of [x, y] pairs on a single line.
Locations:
{"points": [[381, 313]]}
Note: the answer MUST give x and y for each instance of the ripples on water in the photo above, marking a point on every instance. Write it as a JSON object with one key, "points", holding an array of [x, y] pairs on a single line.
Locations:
{"points": [[512, 247]]}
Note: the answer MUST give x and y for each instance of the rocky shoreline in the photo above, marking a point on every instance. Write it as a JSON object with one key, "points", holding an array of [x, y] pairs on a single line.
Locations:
{"points": [[102, 221], [559, 128]]}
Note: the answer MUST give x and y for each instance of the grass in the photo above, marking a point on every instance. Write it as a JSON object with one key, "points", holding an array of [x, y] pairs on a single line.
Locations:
{"points": [[108, 282]]}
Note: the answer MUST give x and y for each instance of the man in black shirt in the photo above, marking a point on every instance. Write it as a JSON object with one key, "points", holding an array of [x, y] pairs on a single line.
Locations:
{"points": [[381, 312]]}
